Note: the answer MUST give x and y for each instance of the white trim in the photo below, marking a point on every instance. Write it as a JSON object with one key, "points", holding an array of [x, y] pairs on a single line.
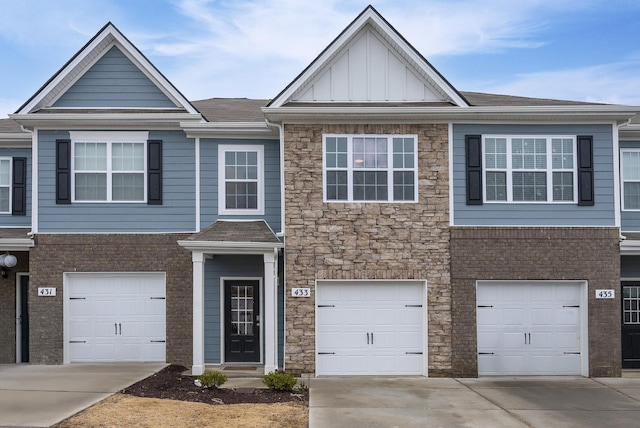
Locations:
{"points": [[198, 364], [18, 285], [109, 138], [35, 160], [617, 187], [198, 189], [9, 186], [621, 179], [451, 188], [584, 313], [425, 315], [389, 169], [259, 150], [548, 170]]}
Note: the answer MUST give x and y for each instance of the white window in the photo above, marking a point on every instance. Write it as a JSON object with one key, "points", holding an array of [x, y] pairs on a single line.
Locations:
{"points": [[5, 185], [631, 179], [529, 169], [241, 180], [109, 166], [370, 168]]}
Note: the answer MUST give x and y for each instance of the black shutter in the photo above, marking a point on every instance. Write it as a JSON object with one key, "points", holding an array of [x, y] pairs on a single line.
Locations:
{"points": [[473, 155], [19, 187], [585, 171], [154, 172], [63, 171]]}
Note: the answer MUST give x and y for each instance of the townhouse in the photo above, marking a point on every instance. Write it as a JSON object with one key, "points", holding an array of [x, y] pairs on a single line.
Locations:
{"points": [[370, 219]]}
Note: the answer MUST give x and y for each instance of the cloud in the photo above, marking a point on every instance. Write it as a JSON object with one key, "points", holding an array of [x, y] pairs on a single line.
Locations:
{"points": [[616, 83]]}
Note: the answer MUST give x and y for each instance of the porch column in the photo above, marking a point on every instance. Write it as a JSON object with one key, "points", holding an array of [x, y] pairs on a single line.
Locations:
{"points": [[270, 321], [198, 313]]}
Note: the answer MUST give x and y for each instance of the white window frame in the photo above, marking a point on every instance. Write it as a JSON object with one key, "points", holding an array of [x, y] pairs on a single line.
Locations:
{"points": [[623, 180], [549, 170], [139, 137], [389, 169], [222, 196], [10, 185]]}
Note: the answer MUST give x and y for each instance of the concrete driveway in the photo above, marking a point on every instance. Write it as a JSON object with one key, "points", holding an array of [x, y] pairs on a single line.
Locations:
{"points": [[40, 396], [487, 402]]}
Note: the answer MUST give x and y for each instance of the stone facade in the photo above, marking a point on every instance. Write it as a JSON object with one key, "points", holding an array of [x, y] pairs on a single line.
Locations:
{"points": [[586, 254], [53, 255], [8, 308], [344, 241]]}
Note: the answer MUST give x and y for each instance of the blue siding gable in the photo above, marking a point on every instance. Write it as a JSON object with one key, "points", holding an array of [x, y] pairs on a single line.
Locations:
{"points": [[176, 214], [114, 81], [537, 214]]}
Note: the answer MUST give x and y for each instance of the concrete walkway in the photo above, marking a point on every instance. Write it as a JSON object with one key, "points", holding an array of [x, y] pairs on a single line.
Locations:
{"points": [[40, 396], [488, 402]]}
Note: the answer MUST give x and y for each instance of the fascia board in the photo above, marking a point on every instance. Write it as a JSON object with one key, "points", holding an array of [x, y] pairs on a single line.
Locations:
{"points": [[81, 120], [16, 244], [629, 132], [16, 137], [228, 247], [229, 130], [388, 114]]}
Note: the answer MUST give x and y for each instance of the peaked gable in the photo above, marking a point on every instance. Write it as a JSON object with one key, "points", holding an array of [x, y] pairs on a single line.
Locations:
{"points": [[114, 81], [370, 62], [89, 74]]}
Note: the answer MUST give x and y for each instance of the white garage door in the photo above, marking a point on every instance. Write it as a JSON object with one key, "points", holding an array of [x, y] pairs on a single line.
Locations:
{"points": [[116, 317], [370, 328], [529, 328]]}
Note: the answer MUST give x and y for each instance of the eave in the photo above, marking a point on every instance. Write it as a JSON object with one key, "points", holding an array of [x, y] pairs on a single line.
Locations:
{"points": [[229, 130], [21, 139], [413, 114], [630, 132], [229, 247], [16, 244], [120, 121]]}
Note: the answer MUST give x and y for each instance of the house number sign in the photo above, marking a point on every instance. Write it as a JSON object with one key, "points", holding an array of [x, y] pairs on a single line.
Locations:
{"points": [[46, 291], [605, 294], [301, 292]]}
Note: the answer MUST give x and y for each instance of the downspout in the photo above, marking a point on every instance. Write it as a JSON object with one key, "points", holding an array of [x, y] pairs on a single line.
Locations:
{"points": [[34, 180]]}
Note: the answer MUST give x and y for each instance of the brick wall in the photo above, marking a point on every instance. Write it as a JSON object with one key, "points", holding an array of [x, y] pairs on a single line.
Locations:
{"points": [[8, 308], [365, 240], [590, 254], [55, 254]]}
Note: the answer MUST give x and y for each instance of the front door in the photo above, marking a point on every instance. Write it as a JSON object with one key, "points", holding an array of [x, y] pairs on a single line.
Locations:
{"points": [[630, 324], [242, 321]]}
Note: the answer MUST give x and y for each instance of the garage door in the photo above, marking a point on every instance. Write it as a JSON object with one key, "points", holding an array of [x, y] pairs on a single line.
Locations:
{"points": [[529, 328], [115, 317], [370, 328]]}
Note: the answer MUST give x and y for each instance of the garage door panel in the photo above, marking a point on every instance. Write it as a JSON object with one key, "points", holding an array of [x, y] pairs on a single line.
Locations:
{"points": [[532, 338]]}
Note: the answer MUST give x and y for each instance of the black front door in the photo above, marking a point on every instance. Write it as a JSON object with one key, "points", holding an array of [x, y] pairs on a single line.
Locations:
{"points": [[242, 321], [24, 319], [630, 324]]}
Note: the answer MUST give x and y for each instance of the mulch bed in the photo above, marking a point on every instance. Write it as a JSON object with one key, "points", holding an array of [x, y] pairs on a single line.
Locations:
{"points": [[171, 383]]}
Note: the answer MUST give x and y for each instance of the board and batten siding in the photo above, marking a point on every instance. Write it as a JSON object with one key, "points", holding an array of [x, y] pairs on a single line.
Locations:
{"points": [[114, 81], [9, 220], [629, 220], [209, 182], [176, 214], [537, 214]]}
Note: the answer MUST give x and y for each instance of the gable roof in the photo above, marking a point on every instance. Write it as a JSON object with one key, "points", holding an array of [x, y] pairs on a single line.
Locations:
{"points": [[108, 37], [370, 62]]}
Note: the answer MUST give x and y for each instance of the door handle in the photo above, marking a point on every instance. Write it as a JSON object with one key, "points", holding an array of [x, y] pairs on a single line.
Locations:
{"points": [[115, 324], [529, 338], [372, 338], [367, 338]]}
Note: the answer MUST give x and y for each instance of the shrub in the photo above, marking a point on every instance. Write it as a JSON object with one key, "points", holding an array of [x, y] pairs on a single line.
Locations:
{"points": [[279, 381], [212, 379]]}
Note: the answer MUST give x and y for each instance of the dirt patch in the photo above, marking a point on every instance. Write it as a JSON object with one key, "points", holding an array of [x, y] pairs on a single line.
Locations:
{"points": [[170, 398]]}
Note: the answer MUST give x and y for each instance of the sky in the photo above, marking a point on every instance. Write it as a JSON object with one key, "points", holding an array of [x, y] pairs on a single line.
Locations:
{"points": [[582, 50]]}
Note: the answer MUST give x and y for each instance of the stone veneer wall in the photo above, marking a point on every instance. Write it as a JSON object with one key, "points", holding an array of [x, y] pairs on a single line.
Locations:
{"points": [[8, 308], [54, 255], [512, 253], [365, 240]]}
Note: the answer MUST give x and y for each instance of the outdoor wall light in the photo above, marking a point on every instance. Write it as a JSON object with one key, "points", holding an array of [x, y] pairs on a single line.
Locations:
{"points": [[8, 260]]}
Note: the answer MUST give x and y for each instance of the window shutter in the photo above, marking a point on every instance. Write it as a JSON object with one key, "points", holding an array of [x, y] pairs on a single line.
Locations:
{"points": [[473, 154], [154, 172], [63, 171], [19, 187], [585, 171]]}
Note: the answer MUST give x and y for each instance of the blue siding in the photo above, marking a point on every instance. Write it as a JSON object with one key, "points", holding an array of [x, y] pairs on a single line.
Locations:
{"points": [[8, 220], [176, 214], [630, 220], [209, 181], [501, 214], [114, 81], [222, 266], [630, 267]]}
